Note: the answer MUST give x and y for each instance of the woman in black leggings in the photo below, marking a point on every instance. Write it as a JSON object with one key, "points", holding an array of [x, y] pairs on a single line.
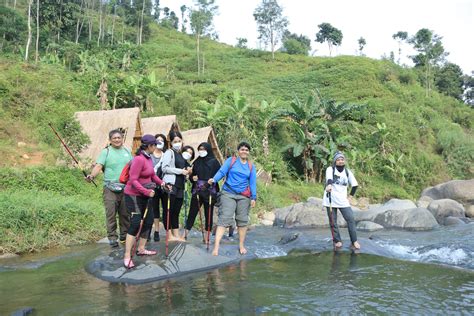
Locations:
{"points": [[204, 168], [175, 169]]}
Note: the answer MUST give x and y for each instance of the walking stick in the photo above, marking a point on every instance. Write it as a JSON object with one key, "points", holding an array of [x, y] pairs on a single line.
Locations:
{"points": [[200, 217], [168, 223], [331, 221], [185, 204], [209, 220], [137, 237], [70, 153]]}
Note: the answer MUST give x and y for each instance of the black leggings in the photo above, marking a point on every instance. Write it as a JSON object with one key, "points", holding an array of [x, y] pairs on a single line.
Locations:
{"points": [[196, 203], [136, 206], [154, 203], [175, 208]]}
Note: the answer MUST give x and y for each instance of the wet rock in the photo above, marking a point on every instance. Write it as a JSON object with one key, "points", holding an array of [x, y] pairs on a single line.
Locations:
{"points": [[281, 214], [452, 221], [288, 238], [470, 211], [444, 208], [367, 226], [183, 258], [309, 214], [23, 311], [391, 205], [458, 190], [412, 219]]}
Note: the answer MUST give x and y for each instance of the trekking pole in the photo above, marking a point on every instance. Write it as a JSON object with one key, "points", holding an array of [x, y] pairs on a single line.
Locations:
{"points": [[185, 204], [209, 220], [331, 222], [69, 152], [167, 224], [200, 217], [137, 237]]}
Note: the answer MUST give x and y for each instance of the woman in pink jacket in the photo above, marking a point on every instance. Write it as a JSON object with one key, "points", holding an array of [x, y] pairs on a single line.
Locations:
{"points": [[140, 187]]}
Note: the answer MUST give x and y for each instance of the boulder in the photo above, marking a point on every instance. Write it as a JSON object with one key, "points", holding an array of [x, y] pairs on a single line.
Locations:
{"points": [[363, 203], [470, 210], [309, 214], [424, 201], [269, 216], [452, 221], [393, 204], [411, 219], [444, 208], [367, 226], [458, 190], [281, 214]]}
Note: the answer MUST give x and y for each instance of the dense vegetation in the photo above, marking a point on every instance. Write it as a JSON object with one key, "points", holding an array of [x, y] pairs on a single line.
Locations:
{"points": [[295, 110]]}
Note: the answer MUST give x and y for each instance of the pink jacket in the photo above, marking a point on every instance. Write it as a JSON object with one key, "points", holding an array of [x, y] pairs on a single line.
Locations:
{"points": [[141, 172]]}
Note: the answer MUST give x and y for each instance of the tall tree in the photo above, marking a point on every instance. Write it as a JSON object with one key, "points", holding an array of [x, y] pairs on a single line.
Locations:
{"points": [[28, 41], [449, 80], [430, 53], [201, 24], [330, 34], [361, 41], [241, 42], [37, 31], [271, 23], [469, 89], [295, 44], [183, 9], [400, 37]]}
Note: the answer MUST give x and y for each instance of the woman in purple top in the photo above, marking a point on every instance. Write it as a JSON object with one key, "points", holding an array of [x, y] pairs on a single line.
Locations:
{"points": [[140, 187]]}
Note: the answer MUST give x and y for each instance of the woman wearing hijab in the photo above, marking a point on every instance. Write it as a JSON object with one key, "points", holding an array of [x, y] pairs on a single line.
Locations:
{"points": [[204, 168]]}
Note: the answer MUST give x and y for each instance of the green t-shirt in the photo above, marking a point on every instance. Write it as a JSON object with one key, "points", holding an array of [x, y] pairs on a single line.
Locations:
{"points": [[114, 162]]}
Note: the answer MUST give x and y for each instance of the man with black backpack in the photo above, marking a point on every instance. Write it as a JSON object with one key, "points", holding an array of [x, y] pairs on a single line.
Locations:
{"points": [[111, 161], [338, 178]]}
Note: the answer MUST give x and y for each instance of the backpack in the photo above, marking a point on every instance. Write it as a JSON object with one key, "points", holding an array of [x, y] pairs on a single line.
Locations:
{"points": [[246, 192], [125, 174], [345, 169]]}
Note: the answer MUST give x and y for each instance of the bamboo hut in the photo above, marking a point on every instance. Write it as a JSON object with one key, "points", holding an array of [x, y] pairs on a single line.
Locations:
{"points": [[194, 137], [160, 125], [98, 124]]}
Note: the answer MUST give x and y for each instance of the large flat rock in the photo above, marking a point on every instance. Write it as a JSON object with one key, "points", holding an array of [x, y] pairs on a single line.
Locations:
{"points": [[183, 258]]}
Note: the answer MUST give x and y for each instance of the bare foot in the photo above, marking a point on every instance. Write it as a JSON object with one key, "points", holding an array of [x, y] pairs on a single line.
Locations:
{"points": [[215, 252], [338, 244], [242, 250], [356, 245], [180, 239]]}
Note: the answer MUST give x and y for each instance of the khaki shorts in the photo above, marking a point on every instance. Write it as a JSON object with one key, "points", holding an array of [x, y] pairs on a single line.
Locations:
{"points": [[233, 205]]}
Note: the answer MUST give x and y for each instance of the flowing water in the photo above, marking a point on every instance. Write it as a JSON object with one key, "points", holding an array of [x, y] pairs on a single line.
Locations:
{"points": [[430, 273]]}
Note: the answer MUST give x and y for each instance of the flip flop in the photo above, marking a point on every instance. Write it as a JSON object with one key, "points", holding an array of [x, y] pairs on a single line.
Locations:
{"points": [[128, 263], [146, 253]]}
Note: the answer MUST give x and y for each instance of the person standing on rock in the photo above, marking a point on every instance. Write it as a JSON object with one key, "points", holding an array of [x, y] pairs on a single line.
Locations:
{"points": [[139, 189], [111, 161], [238, 194], [338, 178], [175, 169], [204, 167]]}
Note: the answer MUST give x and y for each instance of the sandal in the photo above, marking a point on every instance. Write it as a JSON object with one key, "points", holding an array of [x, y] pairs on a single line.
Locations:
{"points": [[146, 253], [128, 263]]}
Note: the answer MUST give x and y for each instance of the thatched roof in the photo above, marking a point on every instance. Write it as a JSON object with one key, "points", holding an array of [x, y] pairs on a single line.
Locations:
{"points": [[159, 125], [194, 137], [98, 124]]}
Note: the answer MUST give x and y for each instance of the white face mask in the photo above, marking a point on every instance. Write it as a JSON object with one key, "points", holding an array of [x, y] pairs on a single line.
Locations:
{"points": [[186, 155], [202, 153], [177, 146], [160, 145]]}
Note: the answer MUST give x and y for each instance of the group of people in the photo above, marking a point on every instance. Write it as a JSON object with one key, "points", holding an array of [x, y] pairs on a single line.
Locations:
{"points": [[158, 176]]}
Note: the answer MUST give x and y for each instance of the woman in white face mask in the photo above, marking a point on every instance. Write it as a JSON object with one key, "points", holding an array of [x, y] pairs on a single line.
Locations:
{"points": [[175, 169], [160, 195], [205, 166]]}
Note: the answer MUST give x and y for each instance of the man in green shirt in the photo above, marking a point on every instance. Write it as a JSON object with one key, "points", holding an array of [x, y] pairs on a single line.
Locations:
{"points": [[111, 161]]}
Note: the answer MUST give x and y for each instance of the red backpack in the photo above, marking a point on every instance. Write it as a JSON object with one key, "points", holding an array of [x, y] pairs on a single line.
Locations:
{"points": [[125, 174], [246, 192]]}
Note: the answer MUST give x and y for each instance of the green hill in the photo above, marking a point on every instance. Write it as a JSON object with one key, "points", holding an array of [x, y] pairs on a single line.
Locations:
{"points": [[398, 139]]}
